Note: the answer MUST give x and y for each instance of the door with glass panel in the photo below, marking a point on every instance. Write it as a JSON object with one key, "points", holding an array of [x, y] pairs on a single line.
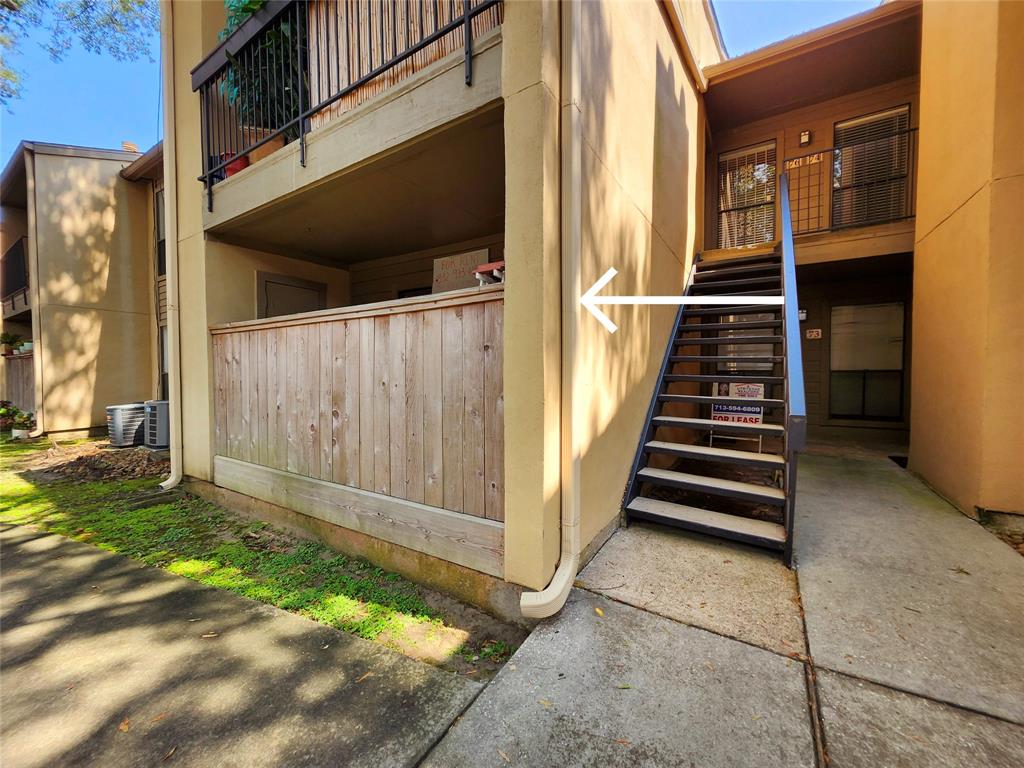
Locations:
{"points": [[746, 196], [866, 362]]}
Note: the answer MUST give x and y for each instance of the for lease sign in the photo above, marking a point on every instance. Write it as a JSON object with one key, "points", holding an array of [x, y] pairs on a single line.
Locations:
{"points": [[738, 414]]}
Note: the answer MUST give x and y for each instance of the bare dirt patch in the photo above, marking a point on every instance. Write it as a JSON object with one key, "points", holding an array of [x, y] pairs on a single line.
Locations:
{"points": [[97, 460]]}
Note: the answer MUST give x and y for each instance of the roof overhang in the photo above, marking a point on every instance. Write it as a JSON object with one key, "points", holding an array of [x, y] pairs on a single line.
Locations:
{"points": [[13, 179], [149, 167], [863, 51]]}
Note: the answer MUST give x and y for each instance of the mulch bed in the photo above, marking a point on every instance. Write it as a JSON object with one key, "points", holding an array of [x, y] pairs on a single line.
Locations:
{"points": [[86, 462]]}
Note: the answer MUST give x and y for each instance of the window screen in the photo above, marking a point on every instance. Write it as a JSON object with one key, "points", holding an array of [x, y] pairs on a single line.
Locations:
{"points": [[746, 196], [871, 168]]}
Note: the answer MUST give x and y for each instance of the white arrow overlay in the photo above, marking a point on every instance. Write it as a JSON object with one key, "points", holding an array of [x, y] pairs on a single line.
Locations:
{"points": [[590, 300]]}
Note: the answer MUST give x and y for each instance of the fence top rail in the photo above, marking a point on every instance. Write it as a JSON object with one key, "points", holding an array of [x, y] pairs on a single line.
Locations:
{"points": [[377, 309], [795, 160]]}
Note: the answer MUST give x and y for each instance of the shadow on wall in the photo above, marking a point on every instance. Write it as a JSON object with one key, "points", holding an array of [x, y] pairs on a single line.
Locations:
{"points": [[93, 313], [639, 123]]}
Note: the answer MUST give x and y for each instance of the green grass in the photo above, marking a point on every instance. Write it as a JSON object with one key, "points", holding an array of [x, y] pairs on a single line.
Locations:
{"points": [[198, 540]]}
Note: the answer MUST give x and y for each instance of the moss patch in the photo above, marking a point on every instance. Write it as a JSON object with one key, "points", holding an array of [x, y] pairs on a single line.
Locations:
{"points": [[198, 540]]}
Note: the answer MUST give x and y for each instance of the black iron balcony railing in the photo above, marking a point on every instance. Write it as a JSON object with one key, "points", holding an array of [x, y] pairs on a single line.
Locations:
{"points": [[14, 266], [869, 182], [293, 65]]}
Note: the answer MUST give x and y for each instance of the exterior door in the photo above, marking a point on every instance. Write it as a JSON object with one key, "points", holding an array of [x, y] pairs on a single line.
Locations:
{"points": [[282, 295]]}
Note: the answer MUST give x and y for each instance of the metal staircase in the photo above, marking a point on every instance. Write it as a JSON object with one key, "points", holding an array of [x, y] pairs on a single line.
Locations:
{"points": [[734, 479]]}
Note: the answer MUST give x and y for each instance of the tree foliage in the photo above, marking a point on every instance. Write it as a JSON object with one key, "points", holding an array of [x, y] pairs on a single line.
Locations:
{"points": [[119, 28]]}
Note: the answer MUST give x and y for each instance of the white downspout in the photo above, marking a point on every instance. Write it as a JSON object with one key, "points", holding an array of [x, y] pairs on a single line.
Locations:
{"points": [[171, 210], [547, 602]]}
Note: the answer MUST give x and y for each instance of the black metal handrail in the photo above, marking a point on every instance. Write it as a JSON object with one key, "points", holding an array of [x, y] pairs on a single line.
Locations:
{"points": [[15, 269], [853, 185], [263, 85], [796, 403]]}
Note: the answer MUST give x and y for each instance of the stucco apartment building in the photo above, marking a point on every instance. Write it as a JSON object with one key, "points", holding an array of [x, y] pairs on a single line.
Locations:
{"points": [[381, 218], [78, 242]]}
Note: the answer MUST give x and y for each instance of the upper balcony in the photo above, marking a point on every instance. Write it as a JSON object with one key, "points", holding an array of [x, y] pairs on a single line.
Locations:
{"points": [[293, 82], [14, 293], [837, 110]]}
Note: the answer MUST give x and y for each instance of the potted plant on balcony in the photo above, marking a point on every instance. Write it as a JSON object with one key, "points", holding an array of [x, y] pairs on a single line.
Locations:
{"points": [[23, 424], [262, 109], [8, 341]]}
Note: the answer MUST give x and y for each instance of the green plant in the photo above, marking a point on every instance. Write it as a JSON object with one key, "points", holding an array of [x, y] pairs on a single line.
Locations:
{"points": [[268, 90], [8, 410], [23, 420], [10, 339]]}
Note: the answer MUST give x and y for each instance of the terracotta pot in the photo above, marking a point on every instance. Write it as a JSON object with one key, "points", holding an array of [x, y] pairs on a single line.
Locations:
{"points": [[236, 165], [265, 150]]}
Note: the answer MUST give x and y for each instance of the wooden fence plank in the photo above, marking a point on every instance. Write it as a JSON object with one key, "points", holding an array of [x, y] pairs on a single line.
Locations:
{"points": [[352, 445], [433, 396], [381, 411], [473, 418], [366, 395], [339, 383], [396, 404], [292, 400], [453, 407], [220, 396], [414, 407], [494, 412], [325, 442], [311, 402]]}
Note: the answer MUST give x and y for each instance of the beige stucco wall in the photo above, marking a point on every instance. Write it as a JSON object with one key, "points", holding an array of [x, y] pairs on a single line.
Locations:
{"points": [[529, 85], [967, 433], [92, 302], [643, 144]]}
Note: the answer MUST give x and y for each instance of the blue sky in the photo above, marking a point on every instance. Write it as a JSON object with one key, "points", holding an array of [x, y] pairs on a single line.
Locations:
{"points": [[96, 101], [750, 24], [85, 99]]}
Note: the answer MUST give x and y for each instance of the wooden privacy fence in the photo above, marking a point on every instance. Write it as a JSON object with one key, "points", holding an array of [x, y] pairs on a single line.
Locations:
{"points": [[21, 382], [400, 398]]}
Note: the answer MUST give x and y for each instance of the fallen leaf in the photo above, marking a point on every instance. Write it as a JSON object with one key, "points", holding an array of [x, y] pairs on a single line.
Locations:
{"points": [[210, 634], [191, 620], [545, 703], [504, 757], [960, 569], [755, 717], [69, 686], [599, 612], [623, 742], [709, 665], [159, 717], [325, 647], [167, 757], [368, 674], [727, 562], [125, 725], [625, 687]]}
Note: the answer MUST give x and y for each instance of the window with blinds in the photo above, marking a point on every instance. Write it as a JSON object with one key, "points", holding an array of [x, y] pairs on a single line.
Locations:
{"points": [[746, 196], [871, 180]]}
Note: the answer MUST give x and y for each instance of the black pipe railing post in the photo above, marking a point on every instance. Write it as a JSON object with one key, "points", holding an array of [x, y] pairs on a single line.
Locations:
{"points": [[467, 25]]}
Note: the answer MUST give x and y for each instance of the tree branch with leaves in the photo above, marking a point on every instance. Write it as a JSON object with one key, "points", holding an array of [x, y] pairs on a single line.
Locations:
{"points": [[122, 29]]}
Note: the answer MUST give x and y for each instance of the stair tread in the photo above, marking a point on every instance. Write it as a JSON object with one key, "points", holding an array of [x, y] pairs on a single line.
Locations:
{"points": [[735, 325], [733, 309], [720, 340], [738, 282], [725, 359], [693, 422], [738, 377], [766, 402], [719, 454], [710, 272], [715, 485], [707, 520]]}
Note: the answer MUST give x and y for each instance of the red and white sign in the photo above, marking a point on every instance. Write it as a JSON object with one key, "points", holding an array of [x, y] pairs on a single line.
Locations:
{"points": [[739, 414]]}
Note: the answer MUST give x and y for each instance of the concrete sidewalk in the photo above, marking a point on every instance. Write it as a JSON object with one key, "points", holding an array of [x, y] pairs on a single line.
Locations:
{"points": [[899, 643], [106, 662]]}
